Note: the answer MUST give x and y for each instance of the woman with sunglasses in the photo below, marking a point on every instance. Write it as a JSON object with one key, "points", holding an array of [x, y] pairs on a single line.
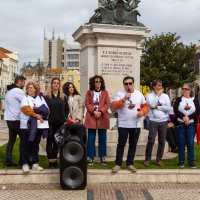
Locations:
{"points": [[186, 109], [97, 103], [74, 102], [59, 111]]}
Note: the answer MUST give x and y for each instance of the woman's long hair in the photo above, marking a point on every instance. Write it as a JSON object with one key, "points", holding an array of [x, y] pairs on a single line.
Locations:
{"points": [[65, 89], [92, 82], [50, 92]]}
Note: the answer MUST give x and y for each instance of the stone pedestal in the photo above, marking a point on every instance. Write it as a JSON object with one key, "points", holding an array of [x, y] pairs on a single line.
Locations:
{"points": [[112, 51], [112, 139]]}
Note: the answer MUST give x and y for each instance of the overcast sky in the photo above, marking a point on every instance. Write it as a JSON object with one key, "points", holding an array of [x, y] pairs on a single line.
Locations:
{"points": [[22, 21]]}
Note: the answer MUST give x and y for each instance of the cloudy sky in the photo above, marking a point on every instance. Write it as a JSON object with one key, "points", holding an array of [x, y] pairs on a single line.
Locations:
{"points": [[22, 22]]}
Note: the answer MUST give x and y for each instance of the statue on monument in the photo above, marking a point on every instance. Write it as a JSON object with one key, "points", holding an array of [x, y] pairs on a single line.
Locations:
{"points": [[120, 12]]}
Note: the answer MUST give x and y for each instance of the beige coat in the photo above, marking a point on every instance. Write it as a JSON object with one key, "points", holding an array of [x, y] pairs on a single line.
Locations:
{"points": [[76, 110]]}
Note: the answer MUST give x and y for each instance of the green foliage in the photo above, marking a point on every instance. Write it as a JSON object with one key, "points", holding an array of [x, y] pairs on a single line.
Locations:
{"points": [[165, 58], [43, 160]]}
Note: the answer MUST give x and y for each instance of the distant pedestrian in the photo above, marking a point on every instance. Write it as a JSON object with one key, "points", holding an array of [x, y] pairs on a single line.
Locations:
{"points": [[59, 111], [12, 116], [30, 148], [74, 102], [131, 106], [186, 109], [97, 103], [159, 103]]}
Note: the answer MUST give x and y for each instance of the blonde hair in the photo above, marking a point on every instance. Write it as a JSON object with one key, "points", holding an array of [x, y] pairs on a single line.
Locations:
{"points": [[35, 85], [50, 90]]}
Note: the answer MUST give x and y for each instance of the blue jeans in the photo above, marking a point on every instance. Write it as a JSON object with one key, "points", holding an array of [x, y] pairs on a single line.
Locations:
{"points": [[186, 136], [102, 137]]}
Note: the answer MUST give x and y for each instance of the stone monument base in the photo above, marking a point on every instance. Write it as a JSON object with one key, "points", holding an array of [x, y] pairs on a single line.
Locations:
{"points": [[112, 139]]}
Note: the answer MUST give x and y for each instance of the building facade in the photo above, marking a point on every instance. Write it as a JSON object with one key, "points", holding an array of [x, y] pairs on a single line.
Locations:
{"points": [[72, 57], [59, 54], [9, 69], [53, 55]]}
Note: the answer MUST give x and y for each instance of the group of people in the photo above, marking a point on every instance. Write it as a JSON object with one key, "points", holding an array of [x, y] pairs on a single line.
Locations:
{"points": [[32, 115], [25, 113]]}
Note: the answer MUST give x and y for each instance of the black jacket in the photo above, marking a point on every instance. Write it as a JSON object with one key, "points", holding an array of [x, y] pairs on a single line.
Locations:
{"points": [[59, 110]]}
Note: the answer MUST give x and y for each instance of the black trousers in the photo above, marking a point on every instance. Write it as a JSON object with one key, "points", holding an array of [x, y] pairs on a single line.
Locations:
{"points": [[30, 150], [51, 147], [133, 134], [172, 138], [14, 130]]}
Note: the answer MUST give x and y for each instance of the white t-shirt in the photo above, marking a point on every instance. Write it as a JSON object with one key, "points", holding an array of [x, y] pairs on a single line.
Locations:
{"points": [[127, 114], [32, 102], [161, 114], [70, 101], [96, 99], [186, 107], [12, 104]]}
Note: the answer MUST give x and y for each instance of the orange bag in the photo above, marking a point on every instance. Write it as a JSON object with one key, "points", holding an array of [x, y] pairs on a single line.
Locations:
{"points": [[198, 130]]}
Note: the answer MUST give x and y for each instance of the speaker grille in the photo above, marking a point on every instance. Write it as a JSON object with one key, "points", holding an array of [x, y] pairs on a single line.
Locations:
{"points": [[73, 152], [73, 177]]}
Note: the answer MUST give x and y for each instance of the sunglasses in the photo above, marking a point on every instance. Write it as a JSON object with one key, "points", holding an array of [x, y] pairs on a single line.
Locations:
{"points": [[130, 83], [97, 81]]}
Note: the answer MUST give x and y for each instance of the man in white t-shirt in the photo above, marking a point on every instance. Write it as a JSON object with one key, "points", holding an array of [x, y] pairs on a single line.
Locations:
{"points": [[131, 106], [12, 115], [159, 104]]}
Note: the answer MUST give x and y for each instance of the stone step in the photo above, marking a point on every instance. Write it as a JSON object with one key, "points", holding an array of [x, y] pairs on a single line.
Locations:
{"points": [[112, 136], [48, 176], [4, 136], [140, 151]]}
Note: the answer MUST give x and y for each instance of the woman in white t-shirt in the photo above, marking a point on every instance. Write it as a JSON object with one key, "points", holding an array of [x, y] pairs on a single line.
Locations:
{"points": [[30, 150], [186, 108]]}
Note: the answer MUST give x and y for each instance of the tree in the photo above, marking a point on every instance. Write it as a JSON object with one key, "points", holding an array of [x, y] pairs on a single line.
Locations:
{"points": [[167, 59]]}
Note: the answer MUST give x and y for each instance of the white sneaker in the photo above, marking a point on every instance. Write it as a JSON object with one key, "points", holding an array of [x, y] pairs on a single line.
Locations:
{"points": [[37, 167], [25, 168]]}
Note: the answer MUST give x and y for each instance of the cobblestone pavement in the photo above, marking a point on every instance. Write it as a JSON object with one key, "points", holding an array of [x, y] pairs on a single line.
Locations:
{"points": [[105, 191], [148, 191]]}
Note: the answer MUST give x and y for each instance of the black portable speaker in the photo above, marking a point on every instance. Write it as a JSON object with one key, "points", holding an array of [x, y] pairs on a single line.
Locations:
{"points": [[73, 158]]}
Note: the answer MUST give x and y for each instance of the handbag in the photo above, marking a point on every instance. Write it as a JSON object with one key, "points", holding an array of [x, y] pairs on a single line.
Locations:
{"points": [[60, 136], [198, 129], [146, 122]]}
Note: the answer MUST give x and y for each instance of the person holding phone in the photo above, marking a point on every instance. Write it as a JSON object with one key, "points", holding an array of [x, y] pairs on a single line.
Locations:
{"points": [[159, 103]]}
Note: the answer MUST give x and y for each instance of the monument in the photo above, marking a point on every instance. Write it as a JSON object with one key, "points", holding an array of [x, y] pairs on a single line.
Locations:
{"points": [[110, 46]]}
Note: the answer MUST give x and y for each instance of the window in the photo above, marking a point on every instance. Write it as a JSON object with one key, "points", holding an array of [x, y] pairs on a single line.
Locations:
{"points": [[73, 56], [73, 64]]}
